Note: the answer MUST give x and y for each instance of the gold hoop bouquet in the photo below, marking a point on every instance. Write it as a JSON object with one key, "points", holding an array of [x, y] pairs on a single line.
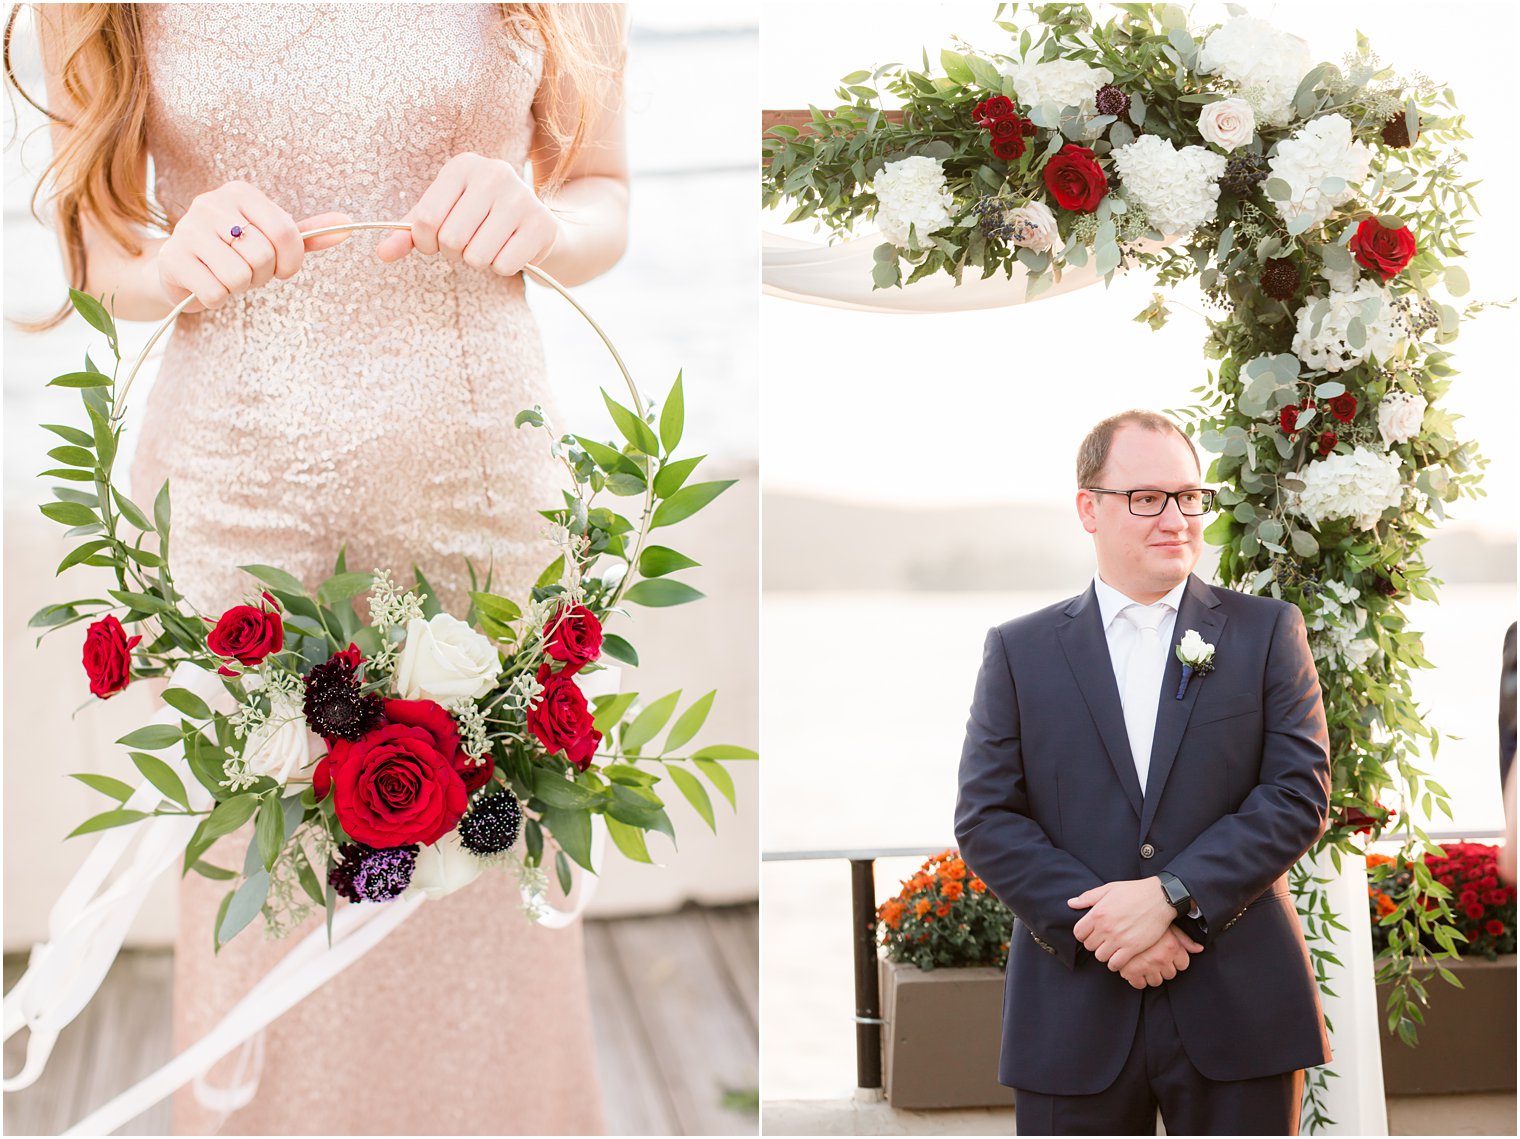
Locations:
{"points": [[407, 749]]}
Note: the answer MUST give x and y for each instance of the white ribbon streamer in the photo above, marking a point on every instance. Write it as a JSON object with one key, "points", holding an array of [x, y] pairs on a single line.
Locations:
{"points": [[356, 930], [86, 931]]}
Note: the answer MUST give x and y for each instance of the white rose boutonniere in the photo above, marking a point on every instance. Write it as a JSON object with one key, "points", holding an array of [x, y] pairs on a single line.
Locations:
{"points": [[444, 659], [1197, 657]]}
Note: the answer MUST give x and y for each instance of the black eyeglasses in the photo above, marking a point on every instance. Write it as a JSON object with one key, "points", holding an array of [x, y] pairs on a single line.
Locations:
{"points": [[1149, 503]]}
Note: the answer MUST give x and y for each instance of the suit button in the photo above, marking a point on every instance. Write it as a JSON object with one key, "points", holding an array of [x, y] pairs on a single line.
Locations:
{"points": [[1147, 851]]}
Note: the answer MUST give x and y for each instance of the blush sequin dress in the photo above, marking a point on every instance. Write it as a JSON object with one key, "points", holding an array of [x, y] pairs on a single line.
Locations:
{"points": [[370, 404]]}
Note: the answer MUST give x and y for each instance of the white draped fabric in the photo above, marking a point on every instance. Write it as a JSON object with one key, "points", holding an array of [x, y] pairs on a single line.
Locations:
{"points": [[839, 276]]}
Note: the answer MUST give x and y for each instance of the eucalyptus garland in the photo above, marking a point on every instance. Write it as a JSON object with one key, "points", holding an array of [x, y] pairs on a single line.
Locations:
{"points": [[1322, 208]]}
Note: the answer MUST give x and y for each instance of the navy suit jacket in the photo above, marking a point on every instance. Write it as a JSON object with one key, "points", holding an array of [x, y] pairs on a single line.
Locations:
{"points": [[1238, 789]]}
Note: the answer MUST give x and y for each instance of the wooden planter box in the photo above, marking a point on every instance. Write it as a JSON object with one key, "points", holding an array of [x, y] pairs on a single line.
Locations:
{"points": [[1467, 1043], [941, 1038]]}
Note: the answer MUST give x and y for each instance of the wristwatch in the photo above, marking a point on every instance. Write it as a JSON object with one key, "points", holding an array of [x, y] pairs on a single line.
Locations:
{"points": [[1176, 894]]}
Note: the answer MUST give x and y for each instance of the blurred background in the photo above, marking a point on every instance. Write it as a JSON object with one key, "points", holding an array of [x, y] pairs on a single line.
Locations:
{"points": [[919, 487], [682, 299]]}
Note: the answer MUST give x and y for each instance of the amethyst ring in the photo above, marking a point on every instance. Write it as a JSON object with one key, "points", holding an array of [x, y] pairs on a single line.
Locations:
{"points": [[237, 232]]}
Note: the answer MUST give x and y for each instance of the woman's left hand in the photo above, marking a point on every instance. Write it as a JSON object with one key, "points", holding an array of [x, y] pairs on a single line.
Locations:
{"points": [[479, 211]]}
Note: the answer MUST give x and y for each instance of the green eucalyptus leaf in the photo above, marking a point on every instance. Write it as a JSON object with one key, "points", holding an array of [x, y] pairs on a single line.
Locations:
{"points": [[656, 561], [106, 785], [107, 819], [660, 592], [648, 722], [673, 417], [695, 793], [689, 723], [719, 778], [162, 776]]}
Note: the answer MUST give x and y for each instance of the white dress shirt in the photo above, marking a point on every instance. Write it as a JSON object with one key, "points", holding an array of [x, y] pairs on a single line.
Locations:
{"points": [[1123, 641]]}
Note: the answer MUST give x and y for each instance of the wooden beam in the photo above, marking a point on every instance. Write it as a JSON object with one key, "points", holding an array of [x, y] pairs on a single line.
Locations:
{"points": [[803, 120]]}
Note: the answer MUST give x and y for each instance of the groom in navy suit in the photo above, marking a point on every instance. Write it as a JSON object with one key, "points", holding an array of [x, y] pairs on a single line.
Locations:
{"points": [[1140, 823]]}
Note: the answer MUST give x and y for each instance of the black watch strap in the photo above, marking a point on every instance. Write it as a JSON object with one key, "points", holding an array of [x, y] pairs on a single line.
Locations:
{"points": [[1177, 895]]}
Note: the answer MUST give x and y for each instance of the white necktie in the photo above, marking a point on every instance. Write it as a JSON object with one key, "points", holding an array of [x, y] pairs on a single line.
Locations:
{"points": [[1142, 682]]}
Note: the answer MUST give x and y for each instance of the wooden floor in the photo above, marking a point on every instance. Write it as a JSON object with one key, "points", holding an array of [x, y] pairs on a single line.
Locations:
{"points": [[675, 1002]]}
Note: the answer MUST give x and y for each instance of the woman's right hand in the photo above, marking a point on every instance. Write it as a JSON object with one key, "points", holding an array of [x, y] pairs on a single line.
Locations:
{"points": [[202, 258]]}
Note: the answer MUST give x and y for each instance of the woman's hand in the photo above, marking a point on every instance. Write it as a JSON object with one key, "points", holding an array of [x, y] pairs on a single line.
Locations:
{"points": [[479, 211], [202, 257]]}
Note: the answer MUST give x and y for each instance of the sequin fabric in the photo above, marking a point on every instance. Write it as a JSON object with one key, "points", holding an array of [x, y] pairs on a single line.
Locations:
{"points": [[371, 405]]}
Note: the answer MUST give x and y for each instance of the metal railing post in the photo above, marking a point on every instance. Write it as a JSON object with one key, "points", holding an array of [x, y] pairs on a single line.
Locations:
{"points": [[867, 981]]}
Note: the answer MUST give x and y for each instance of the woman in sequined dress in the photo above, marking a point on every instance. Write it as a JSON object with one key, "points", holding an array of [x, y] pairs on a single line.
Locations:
{"points": [[370, 401]]}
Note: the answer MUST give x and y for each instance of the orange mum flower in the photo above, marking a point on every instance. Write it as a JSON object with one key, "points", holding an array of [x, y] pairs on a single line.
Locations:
{"points": [[978, 885], [953, 890], [922, 908], [955, 869], [1385, 905], [1378, 860], [892, 913], [943, 909]]}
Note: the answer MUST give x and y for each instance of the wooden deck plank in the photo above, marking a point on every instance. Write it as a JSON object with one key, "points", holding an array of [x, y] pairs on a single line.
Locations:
{"points": [[633, 1092], [736, 932], [673, 999], [705, 1044]]}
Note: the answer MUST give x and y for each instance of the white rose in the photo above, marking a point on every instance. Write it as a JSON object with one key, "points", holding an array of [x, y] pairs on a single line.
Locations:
{"points": [[444, 867], [1034, 227], [1228, 123], [444, 659], [281, 746], [1400, 417], [1194, 648]]}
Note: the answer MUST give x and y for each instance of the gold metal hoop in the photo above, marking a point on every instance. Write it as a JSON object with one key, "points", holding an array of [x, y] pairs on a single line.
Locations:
{"points": [[120, 402]]}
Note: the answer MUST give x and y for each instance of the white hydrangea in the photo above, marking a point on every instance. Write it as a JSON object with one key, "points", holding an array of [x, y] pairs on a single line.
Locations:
{"points": [[1063, 82], [911, 194], [1324, 327], [1400, 416], [1320, 150], [1265, 63], [1178, 188], [1360, 486], [1338, 621]]}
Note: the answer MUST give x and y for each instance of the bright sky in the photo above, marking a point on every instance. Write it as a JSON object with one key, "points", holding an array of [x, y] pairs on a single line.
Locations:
{"points": [[978, 406]]}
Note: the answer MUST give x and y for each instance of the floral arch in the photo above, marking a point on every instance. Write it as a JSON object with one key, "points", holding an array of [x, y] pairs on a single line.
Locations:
{"points": [[1322, 208]]}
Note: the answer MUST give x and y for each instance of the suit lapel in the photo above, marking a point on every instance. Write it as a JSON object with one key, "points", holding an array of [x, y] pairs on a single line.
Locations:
{"points": [[1086, 648], [1198, 610]]}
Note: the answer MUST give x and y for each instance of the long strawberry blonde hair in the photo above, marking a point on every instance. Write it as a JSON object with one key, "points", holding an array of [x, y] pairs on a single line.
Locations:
{"points": [[99, 168]]}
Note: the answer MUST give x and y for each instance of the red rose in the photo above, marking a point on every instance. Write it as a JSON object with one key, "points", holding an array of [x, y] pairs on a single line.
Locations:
{"points": [[996, 107], [394, 787], [1468, 897], [1343, 407], [248, 634], [1009, 149], [561, 720], [1326, 442], [575, 637], [1006, 127], [1076, 179], [1495, 927], [108, 656], [1384, 251], [1474, 911], [1287, 418], [435, 719]]}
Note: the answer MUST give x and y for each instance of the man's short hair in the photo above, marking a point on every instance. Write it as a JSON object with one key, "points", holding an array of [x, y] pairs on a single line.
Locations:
{"points": [[1094, 450]]}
